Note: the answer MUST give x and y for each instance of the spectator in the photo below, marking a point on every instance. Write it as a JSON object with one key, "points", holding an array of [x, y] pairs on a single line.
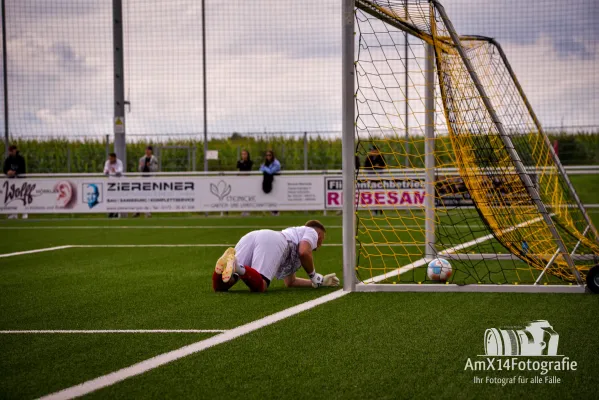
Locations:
{"points": [[245, 165], [357, 163], [14, 165], [113, 168], [147, 163], [374, 161], [270, 167]]}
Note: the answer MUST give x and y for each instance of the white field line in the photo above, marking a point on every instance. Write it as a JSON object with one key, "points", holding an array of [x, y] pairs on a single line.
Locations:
{"points": [[20, 253], [84, 227], [454, 249], [165, 358], [96, 331], [205, 245], [116, 246]]}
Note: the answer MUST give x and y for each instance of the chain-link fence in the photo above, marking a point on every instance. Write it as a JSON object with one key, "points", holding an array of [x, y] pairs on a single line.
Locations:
{"points": [[272, 78]]}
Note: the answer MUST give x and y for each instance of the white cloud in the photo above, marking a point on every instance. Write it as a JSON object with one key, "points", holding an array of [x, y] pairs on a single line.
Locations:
{"points": [[272, 65]]}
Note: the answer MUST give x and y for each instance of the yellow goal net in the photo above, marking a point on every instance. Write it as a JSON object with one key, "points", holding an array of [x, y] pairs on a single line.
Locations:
{"points": [[453, 162]]}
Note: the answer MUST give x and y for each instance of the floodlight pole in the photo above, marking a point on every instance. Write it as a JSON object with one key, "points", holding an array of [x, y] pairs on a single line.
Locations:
{"points": [[348, 144], [120, 146], [204, 83], [5, 78]]}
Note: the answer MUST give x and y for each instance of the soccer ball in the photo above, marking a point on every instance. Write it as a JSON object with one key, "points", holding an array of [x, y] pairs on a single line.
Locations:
{"points": [[439, 270]]}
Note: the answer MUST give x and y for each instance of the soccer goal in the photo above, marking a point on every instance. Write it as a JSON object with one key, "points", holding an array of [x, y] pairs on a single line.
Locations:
{"points": [[463, 171]]}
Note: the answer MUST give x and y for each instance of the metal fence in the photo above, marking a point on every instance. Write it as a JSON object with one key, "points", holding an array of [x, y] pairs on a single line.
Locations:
{"points": [[272, 72]]}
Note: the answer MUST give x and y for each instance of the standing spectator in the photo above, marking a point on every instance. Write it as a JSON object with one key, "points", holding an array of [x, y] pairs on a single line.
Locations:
{"points": [[270, 167], [113, 168], [374, 161], [245, 165], [147, 163], [14, 165]]}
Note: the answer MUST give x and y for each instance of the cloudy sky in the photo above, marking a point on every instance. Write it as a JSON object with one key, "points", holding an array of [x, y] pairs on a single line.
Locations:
{"points": [[272, 65]]}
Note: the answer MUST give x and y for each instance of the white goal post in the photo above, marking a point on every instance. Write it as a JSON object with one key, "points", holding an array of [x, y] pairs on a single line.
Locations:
{"points": [[549, 249]]}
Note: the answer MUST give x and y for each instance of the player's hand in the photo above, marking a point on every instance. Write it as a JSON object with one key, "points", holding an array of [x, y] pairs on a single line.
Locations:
{"points": [[317, 280], [330, 280]]}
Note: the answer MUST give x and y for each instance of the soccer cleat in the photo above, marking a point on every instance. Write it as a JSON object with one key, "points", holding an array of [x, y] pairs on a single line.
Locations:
{"points": [[222, 261], [230, 267]]}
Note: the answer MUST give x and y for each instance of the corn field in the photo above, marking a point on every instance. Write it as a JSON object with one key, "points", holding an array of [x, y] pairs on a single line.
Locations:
{"points": [[88, 155]]}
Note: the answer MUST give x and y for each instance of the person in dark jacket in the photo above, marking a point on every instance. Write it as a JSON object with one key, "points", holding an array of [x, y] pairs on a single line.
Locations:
{"points": [[246, 163], [14, 165], [147, 163], [270, 167], [374, 159], [374, 162]]}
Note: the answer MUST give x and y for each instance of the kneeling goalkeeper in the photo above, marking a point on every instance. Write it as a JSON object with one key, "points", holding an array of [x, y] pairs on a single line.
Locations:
{"points": [[260, 256]]}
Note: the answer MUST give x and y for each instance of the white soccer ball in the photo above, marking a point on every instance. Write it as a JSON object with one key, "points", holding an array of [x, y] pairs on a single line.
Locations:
{"points": [[439, 270]]}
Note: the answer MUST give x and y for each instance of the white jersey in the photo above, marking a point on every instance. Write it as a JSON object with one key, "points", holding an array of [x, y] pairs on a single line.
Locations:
{"points": [[115, 169], [290, 262], [302, 233], [274, 254]]}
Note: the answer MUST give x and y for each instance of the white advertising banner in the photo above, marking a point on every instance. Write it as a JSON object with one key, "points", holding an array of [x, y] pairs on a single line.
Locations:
{"points": [[244, 193], [160, 194], [377, 193]]}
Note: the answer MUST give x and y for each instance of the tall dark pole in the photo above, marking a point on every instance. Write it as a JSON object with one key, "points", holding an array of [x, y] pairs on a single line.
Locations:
{"points": [[348, 143], [205, 105], [120, 147], [5, 79]]}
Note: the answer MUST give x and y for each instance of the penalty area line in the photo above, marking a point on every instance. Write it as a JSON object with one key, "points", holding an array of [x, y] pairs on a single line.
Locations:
{"points": [[165, 358], [20, 253]]}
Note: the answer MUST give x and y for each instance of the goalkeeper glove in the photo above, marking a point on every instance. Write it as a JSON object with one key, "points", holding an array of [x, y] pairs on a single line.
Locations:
{"points": [[316, 279], [330, 280]]}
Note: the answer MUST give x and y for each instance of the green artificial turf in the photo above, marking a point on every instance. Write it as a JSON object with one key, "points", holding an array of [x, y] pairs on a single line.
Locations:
{"points": [[587, 187], [384, 345]]}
